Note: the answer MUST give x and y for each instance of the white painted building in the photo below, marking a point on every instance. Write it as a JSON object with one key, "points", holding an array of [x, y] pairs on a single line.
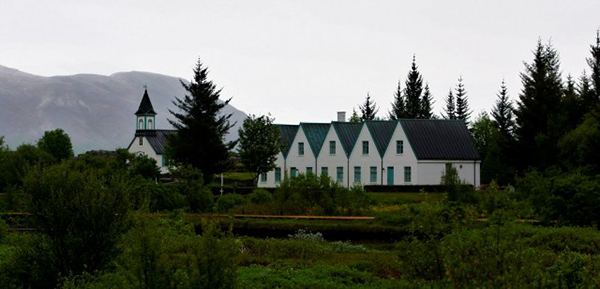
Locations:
{"points": [[403, 152], [148, 140]]}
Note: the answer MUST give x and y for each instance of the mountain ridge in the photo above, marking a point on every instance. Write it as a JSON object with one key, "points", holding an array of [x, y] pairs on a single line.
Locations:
{"points": [[97, 111]]}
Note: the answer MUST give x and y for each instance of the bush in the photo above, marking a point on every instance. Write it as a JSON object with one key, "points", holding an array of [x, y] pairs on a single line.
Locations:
{"points": [[227, 202], [260, 196]]}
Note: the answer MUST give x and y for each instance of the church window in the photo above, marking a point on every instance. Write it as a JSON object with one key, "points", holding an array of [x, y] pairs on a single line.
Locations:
{"points": [[141, 141], [141, 125], [150, 124]]}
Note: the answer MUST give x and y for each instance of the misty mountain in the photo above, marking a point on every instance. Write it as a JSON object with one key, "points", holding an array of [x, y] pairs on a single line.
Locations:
{"points": [[96, 111]]}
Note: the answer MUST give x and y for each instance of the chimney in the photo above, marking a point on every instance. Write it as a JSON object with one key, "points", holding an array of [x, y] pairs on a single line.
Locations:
{"points": [[341, 116]]}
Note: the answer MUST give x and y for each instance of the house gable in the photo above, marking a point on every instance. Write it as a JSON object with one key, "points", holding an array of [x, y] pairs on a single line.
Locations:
{"points": [[347, 132]]}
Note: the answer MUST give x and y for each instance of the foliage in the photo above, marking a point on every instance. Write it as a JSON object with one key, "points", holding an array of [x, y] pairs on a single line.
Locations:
{"points": [[594, 63], [201, 128], [368, 109], [354, 117], [144, 166], [579, 147], [426, 104], [413, 89], [57, 143], [227, 202], [259, 144], [569, 198], [191, 185], [398, 106], [503, 112], [301, 194], [260, 196], [483, 131], [80, 217], [457, 189]]}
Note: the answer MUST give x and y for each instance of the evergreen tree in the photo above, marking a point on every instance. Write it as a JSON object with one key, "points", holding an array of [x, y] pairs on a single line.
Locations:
{"points": [[594, 63], [398, 106], [462, 103], [503, 112], [571, 109], [426, 103], [586, 93], [450, 106], [413, 88], [368, 109], [201, 127], [538, 109], [354, 117]]}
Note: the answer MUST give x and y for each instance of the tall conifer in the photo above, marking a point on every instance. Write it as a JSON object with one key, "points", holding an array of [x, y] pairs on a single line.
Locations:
{"points": [[503, 112], [462, 103], [450, 106], [368, 109], [594, 63], [398, 106], [426, 103], [413, 88]]}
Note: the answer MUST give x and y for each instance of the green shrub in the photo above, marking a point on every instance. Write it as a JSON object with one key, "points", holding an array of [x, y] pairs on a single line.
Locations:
{"points": [[227, 202], [260, 196]]}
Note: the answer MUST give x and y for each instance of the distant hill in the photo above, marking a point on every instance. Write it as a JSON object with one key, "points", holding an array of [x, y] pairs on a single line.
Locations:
{"points": [[96, 111]]}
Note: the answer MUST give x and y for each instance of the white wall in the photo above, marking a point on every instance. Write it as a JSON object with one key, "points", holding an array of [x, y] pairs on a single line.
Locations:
{"points": [[430, 172], [364, 161], [270, 183], [146, 149], [296, 160], [339, 159], [399, 161]]}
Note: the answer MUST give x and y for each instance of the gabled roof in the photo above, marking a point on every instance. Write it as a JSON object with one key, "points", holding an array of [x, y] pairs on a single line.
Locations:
{"points": [[288, 133], [348, 133], [315, 134], [145, 105], [381, 132], [436, 139], [156, 138]]}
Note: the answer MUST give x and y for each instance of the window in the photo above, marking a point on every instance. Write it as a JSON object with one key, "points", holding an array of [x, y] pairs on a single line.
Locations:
{"points": [[399, 147], [324, 171], [332, 147], [365, 147], [141, 125], [141, 140], [149, 124], [293, 171], [277, 174], [309, 170], [163, 161], [357, 175], [263, 177], [373, 175], [340, 174], [300, 148], [407, 175]]}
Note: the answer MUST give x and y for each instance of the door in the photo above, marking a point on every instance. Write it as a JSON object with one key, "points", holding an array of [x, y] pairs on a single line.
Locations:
{"points": [[390, 176]]}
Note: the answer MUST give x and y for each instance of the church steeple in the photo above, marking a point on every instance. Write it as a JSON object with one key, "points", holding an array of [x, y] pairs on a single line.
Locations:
{"points": [[145, 119]]}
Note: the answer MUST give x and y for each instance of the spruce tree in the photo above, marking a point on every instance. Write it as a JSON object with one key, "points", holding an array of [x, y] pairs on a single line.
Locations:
{"points": [[538, 108], [450, 106], [586, 93], [462, 103], [201, 126], [354, 117], [503, 112], [413, 88], [572, 110], [368, 109], [594, 63], [398, 106], [426, 103]]}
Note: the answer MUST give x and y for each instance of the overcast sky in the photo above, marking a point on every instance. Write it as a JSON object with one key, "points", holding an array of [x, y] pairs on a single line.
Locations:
{"points": [[302, 61]]}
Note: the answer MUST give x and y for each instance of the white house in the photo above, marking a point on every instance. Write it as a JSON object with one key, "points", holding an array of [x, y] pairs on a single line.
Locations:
{"points": [[148, 140], [403, 152]]}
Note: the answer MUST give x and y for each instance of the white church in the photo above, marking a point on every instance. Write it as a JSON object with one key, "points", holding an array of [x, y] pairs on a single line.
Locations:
{"points": [[148, 140], [402, 152]]}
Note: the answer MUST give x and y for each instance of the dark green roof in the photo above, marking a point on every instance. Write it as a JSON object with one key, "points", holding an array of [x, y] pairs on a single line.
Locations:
{"points": [[382, 132], [348, 133], [315, 134], [145, 105], [437, 139], [288, 133]]}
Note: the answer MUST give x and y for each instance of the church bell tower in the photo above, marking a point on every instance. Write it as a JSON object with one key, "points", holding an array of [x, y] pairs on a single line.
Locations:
{"points": [[145, 115]]}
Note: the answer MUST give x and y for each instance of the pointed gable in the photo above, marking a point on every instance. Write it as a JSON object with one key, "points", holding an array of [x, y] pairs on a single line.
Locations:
{"points": [[288, 133], [348, 134], [436, 139], [381, 132], [315, 134], [145, 105]]}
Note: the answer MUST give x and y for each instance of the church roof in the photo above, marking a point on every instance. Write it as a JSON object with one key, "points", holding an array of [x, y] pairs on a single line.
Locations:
{"points": [[156, 138], [145, 105]]}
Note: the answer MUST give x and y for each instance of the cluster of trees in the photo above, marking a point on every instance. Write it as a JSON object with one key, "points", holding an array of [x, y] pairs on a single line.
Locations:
{"points": [[554, 123]]}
